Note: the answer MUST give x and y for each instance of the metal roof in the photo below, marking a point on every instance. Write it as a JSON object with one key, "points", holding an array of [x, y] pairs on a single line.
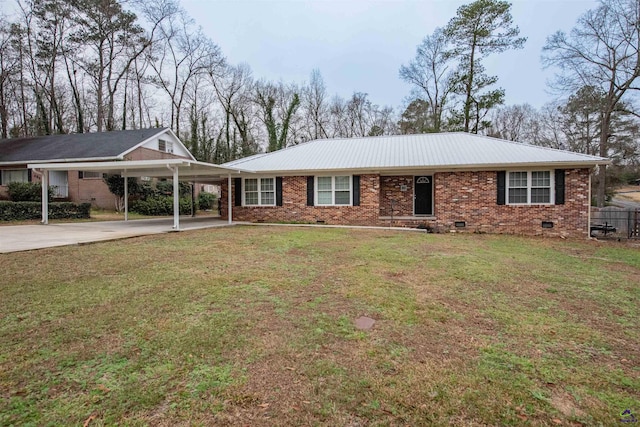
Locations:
{"points": [[73, 147], [437, 150]]}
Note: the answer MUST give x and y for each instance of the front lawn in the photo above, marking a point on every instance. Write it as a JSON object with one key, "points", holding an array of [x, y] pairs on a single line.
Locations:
{"points": [[255, 326]]}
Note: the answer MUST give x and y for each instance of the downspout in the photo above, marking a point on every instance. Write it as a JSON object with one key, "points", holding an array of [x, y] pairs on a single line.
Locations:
{"points": [[589, 209], [229, 208]]}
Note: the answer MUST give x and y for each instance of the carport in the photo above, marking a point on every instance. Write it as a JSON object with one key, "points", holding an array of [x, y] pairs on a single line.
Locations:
{"points": [[176, 169]]}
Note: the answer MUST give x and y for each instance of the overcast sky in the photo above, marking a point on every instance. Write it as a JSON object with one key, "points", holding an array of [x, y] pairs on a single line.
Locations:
{"points": [[359, 45]]}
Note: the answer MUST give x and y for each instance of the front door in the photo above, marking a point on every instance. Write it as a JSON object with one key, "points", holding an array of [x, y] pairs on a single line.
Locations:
{"points": [[58, 180], [423, 196]]}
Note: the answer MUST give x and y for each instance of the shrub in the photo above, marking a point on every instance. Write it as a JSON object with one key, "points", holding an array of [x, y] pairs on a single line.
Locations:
{"points": [[26, 192], [166, 188], [18, 211], [207, 201], [160, 205]]}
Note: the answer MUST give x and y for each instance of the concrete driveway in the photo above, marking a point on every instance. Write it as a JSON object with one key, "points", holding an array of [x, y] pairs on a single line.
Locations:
{"points": [[17, 238]]}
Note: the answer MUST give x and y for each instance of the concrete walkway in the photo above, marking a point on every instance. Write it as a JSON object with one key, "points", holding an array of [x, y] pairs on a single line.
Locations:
{"points": [[15, 238]]}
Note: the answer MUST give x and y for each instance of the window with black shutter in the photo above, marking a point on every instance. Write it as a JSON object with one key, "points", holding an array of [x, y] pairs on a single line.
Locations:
{"points": [[356, 190], [559, 175], [278, 191], [237, 191], [310, 190], [502, 185]]}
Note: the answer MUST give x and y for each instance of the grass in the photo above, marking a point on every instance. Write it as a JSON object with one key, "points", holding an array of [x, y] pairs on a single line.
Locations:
{"points": [[629, 192], [255, 326]]}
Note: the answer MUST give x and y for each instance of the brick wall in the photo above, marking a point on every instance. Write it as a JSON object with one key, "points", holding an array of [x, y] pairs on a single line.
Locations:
{"points": [[294, 205], [471, 197], [458, 196], [90, 190], [391, 189]]}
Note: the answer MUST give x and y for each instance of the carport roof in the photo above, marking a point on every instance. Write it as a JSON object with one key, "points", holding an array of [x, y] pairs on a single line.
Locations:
{"points": [[188, 170]]}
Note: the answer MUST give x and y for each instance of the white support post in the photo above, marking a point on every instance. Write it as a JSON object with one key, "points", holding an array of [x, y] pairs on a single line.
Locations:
{"points": [[126, 195], [229, 201], [176, 200], [589, 209], [45, 196]]}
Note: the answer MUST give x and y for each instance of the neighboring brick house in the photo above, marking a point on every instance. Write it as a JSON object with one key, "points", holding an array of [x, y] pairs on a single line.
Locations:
{"points": [[447, 181], [84, 186]]}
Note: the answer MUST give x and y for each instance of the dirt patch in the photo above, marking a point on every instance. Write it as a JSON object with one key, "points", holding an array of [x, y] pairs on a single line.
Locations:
{"points": [[566, 404]]}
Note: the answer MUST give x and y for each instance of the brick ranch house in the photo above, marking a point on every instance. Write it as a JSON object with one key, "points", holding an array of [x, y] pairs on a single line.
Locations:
{"points": [[446, 181], [84, 186]]}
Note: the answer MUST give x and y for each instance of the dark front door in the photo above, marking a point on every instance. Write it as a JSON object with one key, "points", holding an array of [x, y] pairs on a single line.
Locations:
{"points": [[423, 187]]}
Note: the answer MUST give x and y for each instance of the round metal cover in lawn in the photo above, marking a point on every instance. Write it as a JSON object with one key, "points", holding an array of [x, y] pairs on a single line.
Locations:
{"points": [[364, 322]]}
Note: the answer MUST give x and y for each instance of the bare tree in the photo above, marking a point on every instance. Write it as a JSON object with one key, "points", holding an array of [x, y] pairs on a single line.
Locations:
{"points": [[234, 91], [182, 54], [601, 51], [514, 123], [316, 108], [430, 73]]}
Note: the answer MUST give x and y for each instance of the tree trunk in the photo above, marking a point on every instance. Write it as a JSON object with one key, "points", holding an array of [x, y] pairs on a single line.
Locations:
{"points": [[467, 102], [602, 169]]}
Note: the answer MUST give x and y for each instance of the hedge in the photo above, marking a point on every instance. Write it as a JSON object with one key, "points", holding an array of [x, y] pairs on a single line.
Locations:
{"points": [[17, 211], [160, 205], [26, 192]]}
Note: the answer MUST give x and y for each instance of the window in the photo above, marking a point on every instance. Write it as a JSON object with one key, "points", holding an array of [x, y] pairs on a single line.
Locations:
{"points": [[166, 146], [14, 175], [333, 190], [529, 188], [259, 192]]}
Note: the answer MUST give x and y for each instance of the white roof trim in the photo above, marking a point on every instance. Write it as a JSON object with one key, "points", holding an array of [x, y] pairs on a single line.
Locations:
{"points": [[84, 159], [156, 168], [155, 135]]}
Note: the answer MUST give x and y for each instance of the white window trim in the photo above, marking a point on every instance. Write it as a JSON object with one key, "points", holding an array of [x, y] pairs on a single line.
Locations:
{"points": [[4, 181], [259, 178], [333, 190], [552, 186], [168, 146]]}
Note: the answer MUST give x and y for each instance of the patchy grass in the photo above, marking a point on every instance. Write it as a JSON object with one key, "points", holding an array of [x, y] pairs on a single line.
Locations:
{"points": [[254, 326], [629, 192]]}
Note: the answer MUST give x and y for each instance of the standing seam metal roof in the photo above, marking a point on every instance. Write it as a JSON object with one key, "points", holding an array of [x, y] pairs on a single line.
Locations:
{"points": [[409, 151]]}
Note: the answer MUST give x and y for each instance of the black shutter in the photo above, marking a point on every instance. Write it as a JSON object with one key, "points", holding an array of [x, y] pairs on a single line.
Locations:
{"points": [[278, 191], [310, 191], [502, 186], [80, 175], [237, 191], [29, 176], [356, 190], [559, 186]]}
